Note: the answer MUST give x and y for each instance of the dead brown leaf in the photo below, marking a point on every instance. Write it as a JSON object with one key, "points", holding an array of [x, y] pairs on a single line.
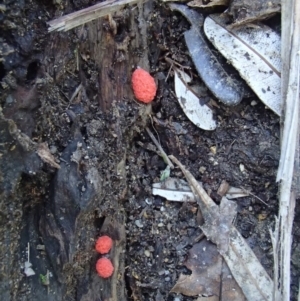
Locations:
{"points": [[205, 263], [218, 224]]}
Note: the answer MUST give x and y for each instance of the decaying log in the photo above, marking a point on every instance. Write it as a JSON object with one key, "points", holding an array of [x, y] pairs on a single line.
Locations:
{"points": [[115, 46], [84, 196]]}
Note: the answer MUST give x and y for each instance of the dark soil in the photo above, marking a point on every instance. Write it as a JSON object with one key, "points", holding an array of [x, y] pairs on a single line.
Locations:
{"points": [[106, 166]]}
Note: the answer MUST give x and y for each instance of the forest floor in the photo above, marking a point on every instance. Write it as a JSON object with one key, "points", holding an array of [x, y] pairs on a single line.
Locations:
{"points": [[244, 151]]}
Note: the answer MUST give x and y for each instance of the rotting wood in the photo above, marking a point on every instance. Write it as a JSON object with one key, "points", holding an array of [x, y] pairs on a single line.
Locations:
{"points": [[114, 58], [115, 65], [83, 191]]}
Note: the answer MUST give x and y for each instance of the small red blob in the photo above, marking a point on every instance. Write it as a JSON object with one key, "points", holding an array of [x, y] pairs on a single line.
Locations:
{"points": [[144, 86], [103, 244], [104, 267]]}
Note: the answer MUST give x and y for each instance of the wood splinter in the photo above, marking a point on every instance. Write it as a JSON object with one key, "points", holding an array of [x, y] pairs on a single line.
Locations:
{"points": [[88, 14]]}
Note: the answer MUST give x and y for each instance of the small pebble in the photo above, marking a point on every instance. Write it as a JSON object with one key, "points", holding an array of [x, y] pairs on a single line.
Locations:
{"points": [[213, 149], [147, 253], [138, 223], [53, 149], [148, 202], [151, 249], [9, 99]]}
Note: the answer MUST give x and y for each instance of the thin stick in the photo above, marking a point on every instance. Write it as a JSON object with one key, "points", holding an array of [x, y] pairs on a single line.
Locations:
{"points": [[77, 90], [28, 252], [163, 154], [48, 281], [169, 73], [172, 62], [247, 191], [154, 128], [195, 186]]}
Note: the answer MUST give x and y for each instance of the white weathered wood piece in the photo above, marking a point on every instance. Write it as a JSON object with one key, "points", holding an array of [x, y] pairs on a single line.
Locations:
{"points": [[289, 146], [88, 14]]}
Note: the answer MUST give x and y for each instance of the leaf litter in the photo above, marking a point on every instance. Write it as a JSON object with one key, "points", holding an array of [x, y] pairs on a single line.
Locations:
{"points": [[200, 114], [226, 86], [205, 263], [254, 50], [160, 298], [254, 281]]}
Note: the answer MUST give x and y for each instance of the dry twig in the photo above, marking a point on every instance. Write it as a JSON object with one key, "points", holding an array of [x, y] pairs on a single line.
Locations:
{"points": [[88, 14], [162, 152]]}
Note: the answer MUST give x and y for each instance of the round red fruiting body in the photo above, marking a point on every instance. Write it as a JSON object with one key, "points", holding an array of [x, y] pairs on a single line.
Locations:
{"points": [[104, 267], [144, 86], [103, 244]]}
